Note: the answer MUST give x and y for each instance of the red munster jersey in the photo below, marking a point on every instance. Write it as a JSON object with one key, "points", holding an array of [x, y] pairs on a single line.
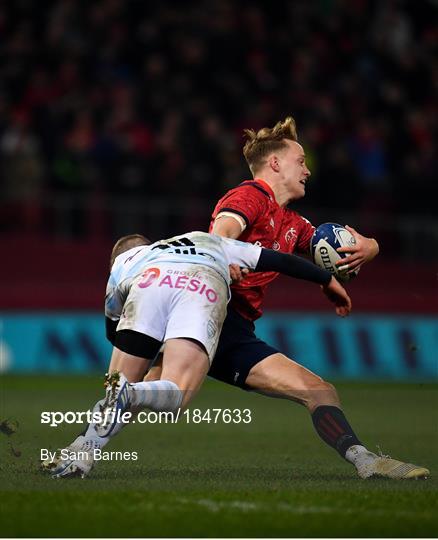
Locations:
{"points": [[268, 225]]}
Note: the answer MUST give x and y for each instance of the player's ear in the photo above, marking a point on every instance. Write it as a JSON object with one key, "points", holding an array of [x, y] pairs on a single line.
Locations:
{"points": [[274, 163]]}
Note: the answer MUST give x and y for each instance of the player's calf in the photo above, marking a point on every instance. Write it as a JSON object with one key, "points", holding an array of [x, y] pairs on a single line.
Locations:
{"points": [[334, 429], [117, 402], [123, 396], [280, 376]]}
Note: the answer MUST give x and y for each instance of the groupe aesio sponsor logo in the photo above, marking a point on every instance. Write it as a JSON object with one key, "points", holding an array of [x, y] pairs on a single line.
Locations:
{"points": [[151, 275]]}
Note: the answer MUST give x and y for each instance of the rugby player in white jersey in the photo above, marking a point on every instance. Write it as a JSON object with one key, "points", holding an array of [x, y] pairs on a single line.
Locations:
{"points": [[175, 292]]}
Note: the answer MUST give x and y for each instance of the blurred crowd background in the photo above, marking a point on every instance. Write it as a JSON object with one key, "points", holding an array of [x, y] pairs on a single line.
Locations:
{"points": [[122, 116], [126, 115]]}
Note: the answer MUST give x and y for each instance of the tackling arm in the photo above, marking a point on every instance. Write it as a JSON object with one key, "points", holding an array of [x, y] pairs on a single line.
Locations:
{"points": [[268, 260], [297, 267], [291, 265]]}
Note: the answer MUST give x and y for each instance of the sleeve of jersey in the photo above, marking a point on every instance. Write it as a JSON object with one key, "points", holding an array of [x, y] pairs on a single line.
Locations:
{"points": [[305, 235], [242, 253], [246, 202], [293, 266]]}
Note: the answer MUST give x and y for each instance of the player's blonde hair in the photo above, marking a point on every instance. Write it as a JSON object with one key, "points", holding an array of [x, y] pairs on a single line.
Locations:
{"points": [[267, 140], [127, 242]]}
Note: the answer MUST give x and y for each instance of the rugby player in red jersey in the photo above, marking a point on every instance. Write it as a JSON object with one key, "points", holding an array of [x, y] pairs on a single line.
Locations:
{"points": [[257, 211]]}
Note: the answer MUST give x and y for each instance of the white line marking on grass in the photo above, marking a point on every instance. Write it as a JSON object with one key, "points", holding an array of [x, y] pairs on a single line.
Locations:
{"points": [[215, 506], [246, 506], [284, 507]]}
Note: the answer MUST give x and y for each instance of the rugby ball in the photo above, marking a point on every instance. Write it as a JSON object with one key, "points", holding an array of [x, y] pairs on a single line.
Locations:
{"points": [[326, 239]]}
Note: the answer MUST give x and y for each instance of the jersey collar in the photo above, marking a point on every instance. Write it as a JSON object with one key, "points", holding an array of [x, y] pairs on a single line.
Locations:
{"points": [[266, 187]]}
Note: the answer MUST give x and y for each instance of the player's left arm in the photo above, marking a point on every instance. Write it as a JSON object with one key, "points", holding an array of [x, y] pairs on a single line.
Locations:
{"points": [[110, 329], [363, 251], [113, 308]]}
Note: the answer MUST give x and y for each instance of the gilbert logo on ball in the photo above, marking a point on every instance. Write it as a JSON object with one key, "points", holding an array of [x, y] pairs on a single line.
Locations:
{"points": [[326, 239]]}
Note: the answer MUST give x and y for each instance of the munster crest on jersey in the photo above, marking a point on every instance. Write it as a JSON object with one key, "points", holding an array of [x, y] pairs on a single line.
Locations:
{"points": [[290, 235]]}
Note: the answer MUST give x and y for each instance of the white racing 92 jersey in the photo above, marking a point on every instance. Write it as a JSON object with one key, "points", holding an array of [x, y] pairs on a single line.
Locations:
{"points": [[197, 247]]}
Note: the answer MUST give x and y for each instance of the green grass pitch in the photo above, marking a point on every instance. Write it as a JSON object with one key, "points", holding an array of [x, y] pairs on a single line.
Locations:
{"points": [[270, 478]]}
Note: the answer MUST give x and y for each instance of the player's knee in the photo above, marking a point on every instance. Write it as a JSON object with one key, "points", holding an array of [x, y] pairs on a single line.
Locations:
{"points": [[331, 391], [321, 393]]}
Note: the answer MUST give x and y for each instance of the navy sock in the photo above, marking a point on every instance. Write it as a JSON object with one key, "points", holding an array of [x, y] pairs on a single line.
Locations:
{"points": [[333, 428]]}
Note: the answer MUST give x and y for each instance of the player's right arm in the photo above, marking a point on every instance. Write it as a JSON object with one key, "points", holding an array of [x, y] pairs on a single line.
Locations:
{"points": [[227, 226], [234, 213], [238, 210], [230, 227]]}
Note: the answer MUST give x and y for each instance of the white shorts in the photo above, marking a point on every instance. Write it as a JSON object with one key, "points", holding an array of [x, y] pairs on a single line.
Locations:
{"points": [[177, 300]]}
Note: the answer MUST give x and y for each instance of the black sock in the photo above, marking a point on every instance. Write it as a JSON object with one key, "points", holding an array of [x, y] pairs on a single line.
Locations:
{"points": [[333, 428]]}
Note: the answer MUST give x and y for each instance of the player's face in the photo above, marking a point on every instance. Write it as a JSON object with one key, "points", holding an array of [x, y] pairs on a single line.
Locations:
{"points": [[294, 170]]}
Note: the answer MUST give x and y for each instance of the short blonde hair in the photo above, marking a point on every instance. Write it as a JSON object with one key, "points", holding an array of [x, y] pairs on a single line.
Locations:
{"points": [[267, 140], [127, 242]]}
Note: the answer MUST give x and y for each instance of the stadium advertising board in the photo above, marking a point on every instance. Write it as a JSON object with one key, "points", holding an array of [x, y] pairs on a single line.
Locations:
{"points": [[362, 346]]}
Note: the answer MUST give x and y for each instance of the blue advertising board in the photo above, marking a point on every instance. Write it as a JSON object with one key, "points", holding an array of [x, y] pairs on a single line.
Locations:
{"points": [[361, 346]]}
